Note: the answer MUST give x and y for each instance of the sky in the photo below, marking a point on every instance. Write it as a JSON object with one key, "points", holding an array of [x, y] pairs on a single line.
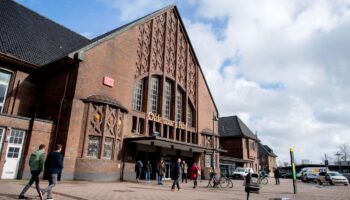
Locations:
{"points": [[282, 66]]}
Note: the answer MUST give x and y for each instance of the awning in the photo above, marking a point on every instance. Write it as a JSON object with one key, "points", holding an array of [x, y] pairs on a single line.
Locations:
{"points": [[168, 143]]}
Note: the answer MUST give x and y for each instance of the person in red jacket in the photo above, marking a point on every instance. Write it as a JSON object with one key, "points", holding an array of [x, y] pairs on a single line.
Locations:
{"points": [[194, 173]]}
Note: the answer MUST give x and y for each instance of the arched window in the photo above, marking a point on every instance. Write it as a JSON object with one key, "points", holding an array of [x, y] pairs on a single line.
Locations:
{"points": [[138, 95]]}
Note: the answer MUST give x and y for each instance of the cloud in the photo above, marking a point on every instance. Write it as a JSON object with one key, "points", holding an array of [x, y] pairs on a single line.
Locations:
{"points": [[301, 46]]}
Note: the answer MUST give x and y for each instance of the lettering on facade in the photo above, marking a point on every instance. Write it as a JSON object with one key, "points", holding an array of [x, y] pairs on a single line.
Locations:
{"points": [[159, 119]]}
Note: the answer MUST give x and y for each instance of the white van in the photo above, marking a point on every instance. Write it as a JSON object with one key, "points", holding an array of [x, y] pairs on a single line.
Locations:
{"points": [[310, 173], [241, 172]]}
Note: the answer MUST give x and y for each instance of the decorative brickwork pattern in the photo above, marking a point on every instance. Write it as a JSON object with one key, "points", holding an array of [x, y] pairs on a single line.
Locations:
{"points": [[170, 48], [191, 78], [158, 43], [143, 50], [181, 58], [96, 119]]}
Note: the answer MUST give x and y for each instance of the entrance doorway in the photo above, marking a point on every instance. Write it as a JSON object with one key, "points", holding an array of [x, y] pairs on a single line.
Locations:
{"points": [[13, 154]]}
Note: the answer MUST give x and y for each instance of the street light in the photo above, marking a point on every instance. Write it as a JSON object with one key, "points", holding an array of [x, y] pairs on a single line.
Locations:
{"points": [[338, 154], [215, 118]]}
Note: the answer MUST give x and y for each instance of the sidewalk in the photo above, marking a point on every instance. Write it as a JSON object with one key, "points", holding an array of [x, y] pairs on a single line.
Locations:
{"points": [[77, 190]]}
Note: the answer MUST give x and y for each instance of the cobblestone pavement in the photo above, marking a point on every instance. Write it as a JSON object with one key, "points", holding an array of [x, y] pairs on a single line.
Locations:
{"points": [[78, 190]]}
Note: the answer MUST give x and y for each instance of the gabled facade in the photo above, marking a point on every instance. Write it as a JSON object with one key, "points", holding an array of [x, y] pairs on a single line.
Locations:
{"points": [[240, 143], [267, 159], [134, 93]]}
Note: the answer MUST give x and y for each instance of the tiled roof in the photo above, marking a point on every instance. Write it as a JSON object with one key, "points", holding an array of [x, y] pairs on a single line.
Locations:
{"points": [[234, 127], [33, 38], [266, 150]]}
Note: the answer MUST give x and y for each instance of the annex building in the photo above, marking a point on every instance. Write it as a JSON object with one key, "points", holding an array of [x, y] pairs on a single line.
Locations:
{"points": [[136, 92]]}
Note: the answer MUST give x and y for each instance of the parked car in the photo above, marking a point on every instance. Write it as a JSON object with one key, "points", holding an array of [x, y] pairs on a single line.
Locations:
{"points": [[241, 172], [309, 177], [287, 175], [332, 178]]}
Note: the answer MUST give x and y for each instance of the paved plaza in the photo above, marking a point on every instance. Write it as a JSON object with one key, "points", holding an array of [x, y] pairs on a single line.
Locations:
{"points": [[75, 190]]}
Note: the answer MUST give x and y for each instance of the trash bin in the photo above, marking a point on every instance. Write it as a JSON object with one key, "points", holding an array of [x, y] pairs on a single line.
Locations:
{"points": [[251, 183]]}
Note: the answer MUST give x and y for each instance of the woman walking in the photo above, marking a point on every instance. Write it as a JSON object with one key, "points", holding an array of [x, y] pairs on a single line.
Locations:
{"points": [[161, 171], [194, 172]]}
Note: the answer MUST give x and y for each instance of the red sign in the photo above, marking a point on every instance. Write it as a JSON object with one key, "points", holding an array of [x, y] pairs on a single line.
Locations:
{"points": [[108, 81]]}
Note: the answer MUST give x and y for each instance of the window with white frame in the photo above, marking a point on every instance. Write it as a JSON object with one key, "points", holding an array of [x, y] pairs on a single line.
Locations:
{"points": [[4, 83], [138, 93], [154, 94], [167, 99]]}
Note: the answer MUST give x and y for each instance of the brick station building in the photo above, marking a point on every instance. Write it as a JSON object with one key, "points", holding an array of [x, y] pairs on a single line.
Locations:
{"points": [[136, 92]]}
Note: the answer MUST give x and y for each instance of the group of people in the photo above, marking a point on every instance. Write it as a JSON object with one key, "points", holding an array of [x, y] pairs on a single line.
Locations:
{"points": [[179, 169], [53, 166]]}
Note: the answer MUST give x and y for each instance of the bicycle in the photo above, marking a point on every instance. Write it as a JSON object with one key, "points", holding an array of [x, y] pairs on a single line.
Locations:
{"points": [[263, 180], [223, 182]]}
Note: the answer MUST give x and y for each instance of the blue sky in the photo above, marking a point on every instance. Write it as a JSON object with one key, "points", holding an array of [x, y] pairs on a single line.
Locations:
{"points": [[281, 66]]}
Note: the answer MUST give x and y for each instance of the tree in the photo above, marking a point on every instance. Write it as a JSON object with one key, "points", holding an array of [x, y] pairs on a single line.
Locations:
{"points": [[344, 151]]}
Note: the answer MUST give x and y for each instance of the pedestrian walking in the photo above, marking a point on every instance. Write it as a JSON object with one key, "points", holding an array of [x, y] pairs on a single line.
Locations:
{"points": [[148, 171], [176, 175], [36, 164], [184, 169], [53, 170], [161, 171], [138, 169], [276, 173], [194, 173]]}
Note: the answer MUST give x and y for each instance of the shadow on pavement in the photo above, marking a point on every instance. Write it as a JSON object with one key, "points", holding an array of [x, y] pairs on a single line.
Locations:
{"points": [[69, 196], [11, 196]]}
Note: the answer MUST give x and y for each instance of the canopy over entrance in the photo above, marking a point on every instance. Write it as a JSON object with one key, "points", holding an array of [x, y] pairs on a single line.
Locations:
{"points": [[167, 143]]}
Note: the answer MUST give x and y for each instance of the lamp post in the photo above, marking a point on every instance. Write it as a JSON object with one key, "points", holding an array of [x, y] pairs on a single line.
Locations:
{"points": [[338, 154], [215, 118]]}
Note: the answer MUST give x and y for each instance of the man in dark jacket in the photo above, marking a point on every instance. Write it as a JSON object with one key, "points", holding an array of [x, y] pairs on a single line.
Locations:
{"points": [[276, 173], [53, 167], [176, 175], [138, 170], [36, 163]]}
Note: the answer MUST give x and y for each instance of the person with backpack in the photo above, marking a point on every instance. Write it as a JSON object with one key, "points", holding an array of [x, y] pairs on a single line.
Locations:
{"points": [[53, 170], [194, 173], [36, 163], [138, 170], [176, 175]]}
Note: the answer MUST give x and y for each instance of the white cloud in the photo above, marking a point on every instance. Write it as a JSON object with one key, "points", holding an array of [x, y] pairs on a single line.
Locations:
{"points": [[282, 66], [301, 45]]}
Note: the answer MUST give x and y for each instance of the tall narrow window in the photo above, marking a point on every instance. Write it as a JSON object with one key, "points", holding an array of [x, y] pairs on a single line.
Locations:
{"points": [[167, 99], [108, 148], [190, 116], [4, 82], [94, 146], [179, 100], [138, 92], [154, 94]]}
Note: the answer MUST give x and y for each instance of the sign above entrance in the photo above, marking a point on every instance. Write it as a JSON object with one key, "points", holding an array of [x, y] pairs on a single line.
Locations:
{"points": [[108, 81], [157, 118]]}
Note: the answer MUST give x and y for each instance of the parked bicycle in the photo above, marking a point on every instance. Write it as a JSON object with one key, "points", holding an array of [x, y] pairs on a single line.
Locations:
{"points": [[222, 182], [263, 180]]}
